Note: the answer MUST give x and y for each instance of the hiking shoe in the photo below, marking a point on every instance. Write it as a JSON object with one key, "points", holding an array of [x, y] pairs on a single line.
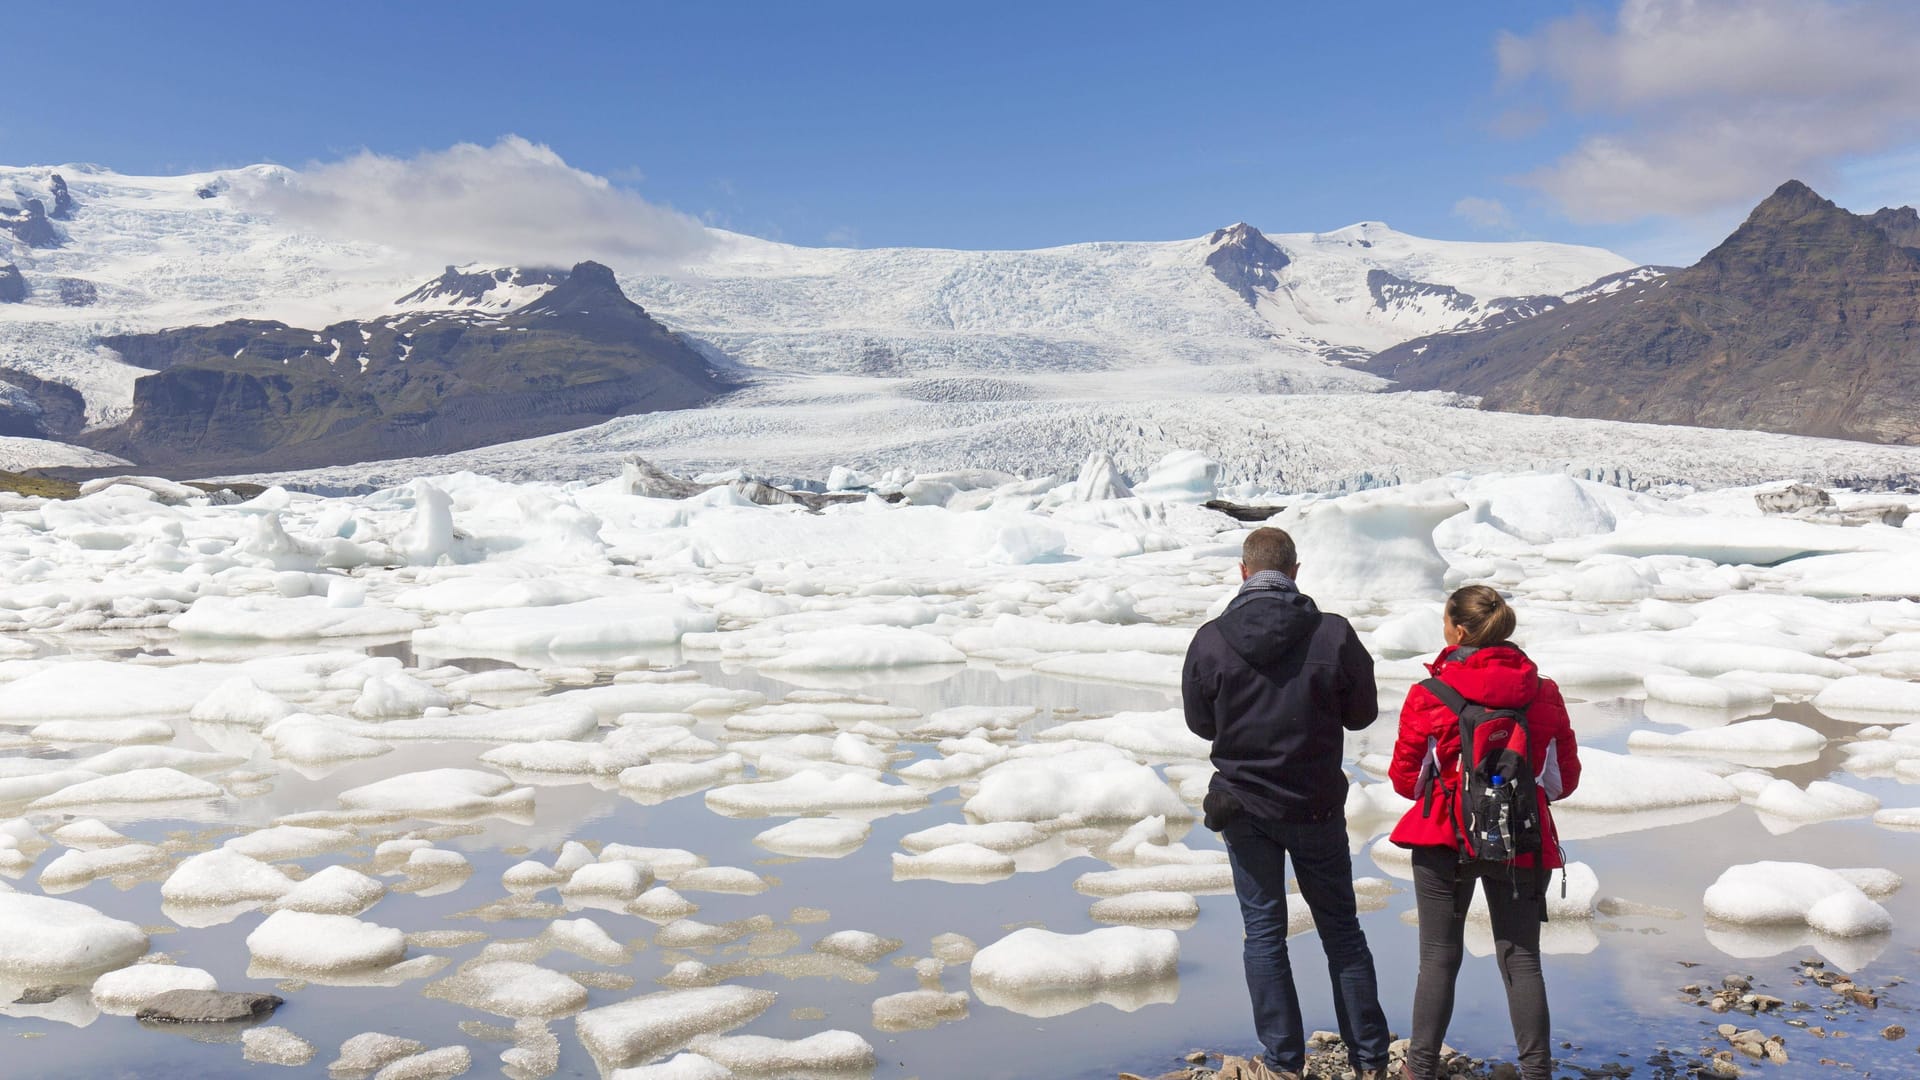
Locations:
{"points": [[1236, 1068], [1258, 1069]]}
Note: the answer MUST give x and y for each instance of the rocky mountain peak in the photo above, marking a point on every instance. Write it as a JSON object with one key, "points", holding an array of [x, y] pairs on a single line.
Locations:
{"points": [[594, 275], [1795, 235], [1790, 201], [1244, 259], [1237, 233], [589, 288], [1801, 321]]}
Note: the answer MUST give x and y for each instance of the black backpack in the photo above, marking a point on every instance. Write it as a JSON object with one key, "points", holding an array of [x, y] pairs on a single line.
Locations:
{"points": [[1496, 813]]}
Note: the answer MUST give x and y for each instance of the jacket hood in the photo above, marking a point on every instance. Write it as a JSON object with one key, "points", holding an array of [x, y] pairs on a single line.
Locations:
{"points": [[1265, 625], [1500, 676]]}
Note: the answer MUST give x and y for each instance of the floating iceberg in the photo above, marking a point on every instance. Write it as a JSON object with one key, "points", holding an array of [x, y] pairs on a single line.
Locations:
{"points": [[1041, 973]]}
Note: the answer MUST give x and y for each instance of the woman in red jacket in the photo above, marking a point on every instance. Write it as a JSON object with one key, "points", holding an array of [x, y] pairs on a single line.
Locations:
{"points": [[1486, 669]]}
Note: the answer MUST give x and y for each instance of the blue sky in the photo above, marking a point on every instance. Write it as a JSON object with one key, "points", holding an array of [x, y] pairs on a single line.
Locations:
{"points": [[1013, 124]]}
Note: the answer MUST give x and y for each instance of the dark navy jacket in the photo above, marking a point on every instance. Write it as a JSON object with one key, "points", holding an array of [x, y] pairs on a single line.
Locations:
{"points": [[1273, 683]]}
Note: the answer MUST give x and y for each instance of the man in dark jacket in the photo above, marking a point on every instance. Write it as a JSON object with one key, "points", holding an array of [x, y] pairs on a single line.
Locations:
{"points": [[1274, 683]]}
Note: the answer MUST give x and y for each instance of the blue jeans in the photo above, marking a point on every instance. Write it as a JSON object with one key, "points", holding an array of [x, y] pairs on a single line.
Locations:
{"points": [[1258, 850]]}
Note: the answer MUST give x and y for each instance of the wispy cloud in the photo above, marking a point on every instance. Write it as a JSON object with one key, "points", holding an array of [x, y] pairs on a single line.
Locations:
{"points": [[513, 202], [1484, 213], [1712, 103]]}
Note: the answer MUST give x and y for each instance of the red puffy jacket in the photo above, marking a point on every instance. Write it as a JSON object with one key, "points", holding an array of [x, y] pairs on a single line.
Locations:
{"points": [[1501, 677]]}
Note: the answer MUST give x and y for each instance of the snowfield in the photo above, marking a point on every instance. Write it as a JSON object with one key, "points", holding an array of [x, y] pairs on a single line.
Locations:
{"points": [[480, 693], [919, 357]]}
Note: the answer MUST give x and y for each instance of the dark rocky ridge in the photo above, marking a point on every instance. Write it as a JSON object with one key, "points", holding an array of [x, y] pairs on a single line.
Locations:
{"points": [[257, 395], [1513, 309], [30, 225], [1805, 320], [1900, 224], [62, 199], [77, 292], [1390, 289], [36, 408], [1245, 259], [13, 287]]}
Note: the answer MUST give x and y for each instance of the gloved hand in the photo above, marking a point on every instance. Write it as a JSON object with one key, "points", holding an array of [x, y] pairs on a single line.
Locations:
{"points": [[1218, 808]]}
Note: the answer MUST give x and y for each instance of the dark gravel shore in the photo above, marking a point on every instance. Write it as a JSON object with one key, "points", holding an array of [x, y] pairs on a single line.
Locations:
{"points": [[1815, 1019]]}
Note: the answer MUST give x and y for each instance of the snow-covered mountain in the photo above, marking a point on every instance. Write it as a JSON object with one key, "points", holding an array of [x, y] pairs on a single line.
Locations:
{"points": [[1236, 343], [1261, 312]]}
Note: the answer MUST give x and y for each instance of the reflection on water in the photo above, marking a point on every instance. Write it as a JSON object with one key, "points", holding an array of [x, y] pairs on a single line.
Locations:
{"points": [[1613, 978]]}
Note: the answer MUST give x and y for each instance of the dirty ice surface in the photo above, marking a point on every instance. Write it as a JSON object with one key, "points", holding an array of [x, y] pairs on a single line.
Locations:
{"points": [[533, 779]]}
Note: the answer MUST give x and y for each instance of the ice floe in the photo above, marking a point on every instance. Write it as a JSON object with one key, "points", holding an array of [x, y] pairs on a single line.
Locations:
{"points": [[512, 988], [684, 1066], [333, 890], [918, 1010], [811, 791], [654, 1025], [440, 1064], [1081, 783], [1171, 910], [1767, 741], [1820, 800], [1830, 901], [157, 785], [224, 876], [304, 942], [1871, 699], [956, 863], [604, 625], [1619, 793], [275, 1046], [833, 1053], [449, 793], [1042, 973], [126, 989], [1724, 694], [368, 1052], [42, 938]]}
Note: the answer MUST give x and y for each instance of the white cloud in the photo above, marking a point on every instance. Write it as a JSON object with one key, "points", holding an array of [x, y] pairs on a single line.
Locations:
{"points": [[1484, 213], [1716, 102], [513, 202]]}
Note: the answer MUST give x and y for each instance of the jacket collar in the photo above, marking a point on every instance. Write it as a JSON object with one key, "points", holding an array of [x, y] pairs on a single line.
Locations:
{"points": [[1268, 579], [1500, 675]]}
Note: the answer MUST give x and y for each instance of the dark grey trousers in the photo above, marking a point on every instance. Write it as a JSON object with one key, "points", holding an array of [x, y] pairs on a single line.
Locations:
{"points": [[1443, 888]]}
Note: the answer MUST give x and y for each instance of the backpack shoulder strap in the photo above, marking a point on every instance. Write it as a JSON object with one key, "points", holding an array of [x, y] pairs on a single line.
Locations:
{"points": [[1457, 705], [1448, 696]]}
